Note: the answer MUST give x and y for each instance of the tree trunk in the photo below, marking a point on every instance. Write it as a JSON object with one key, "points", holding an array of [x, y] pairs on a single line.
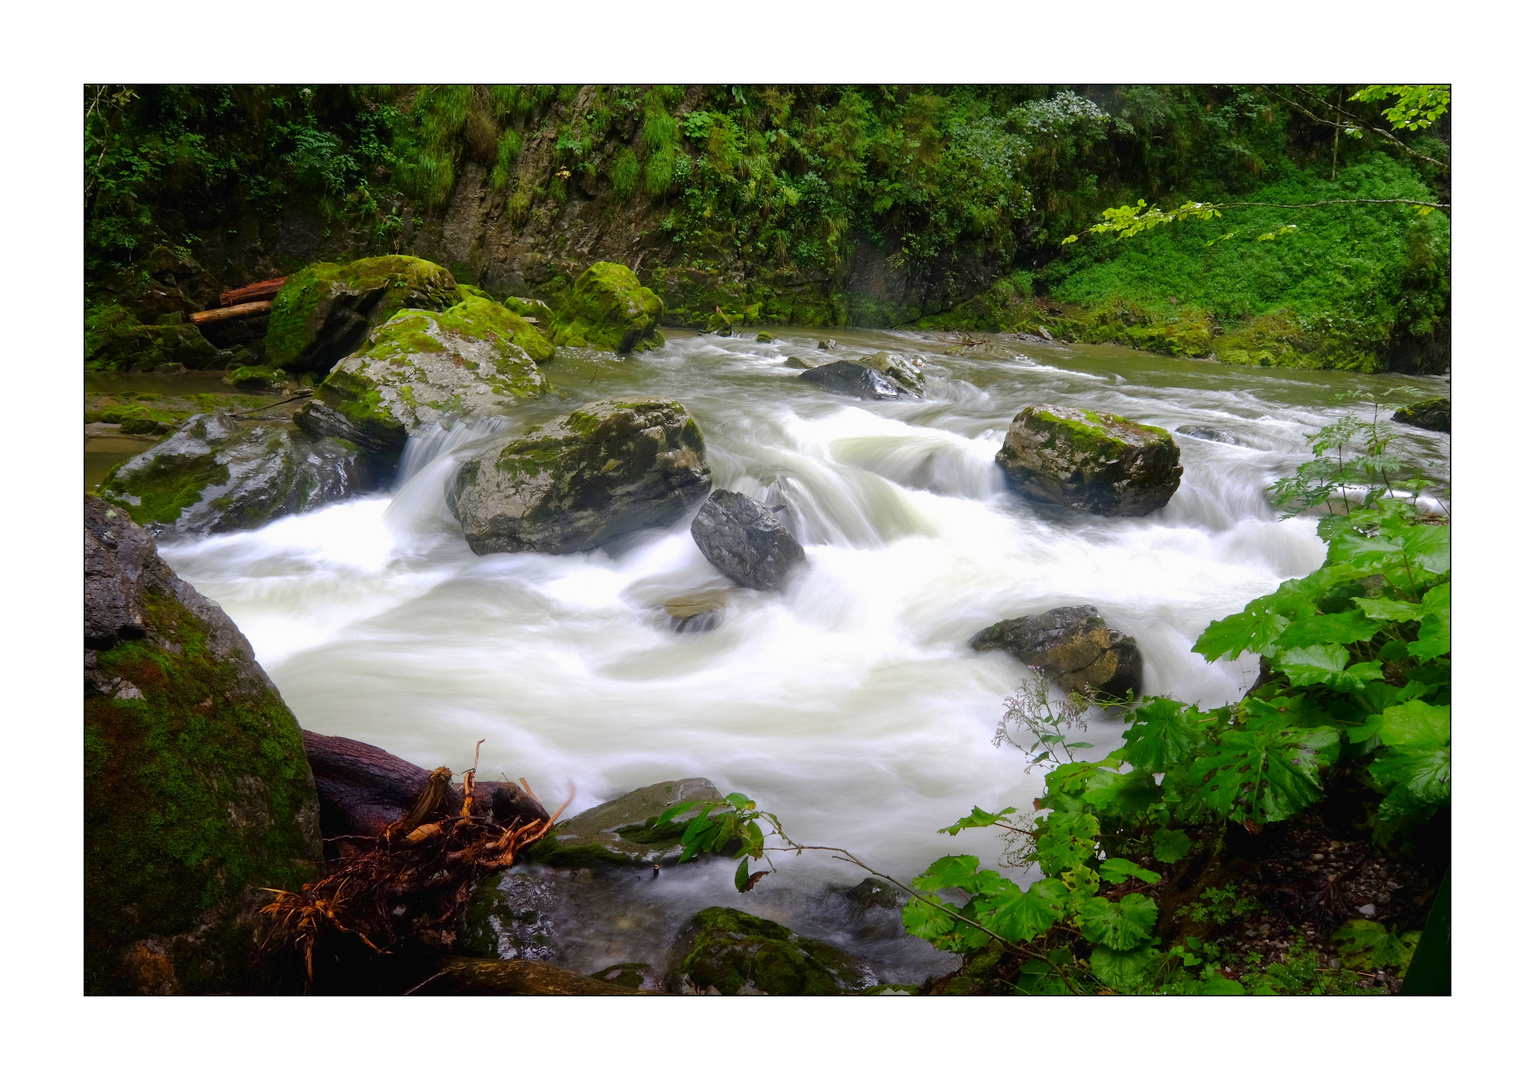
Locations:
{"points": [[261, 290], [239, 311], [362, 789]]}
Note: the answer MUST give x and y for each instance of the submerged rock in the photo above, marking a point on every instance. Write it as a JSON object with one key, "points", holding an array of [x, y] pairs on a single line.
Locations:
{"points": [[1433, 415], [799, 362], [856, 380], [216, 473], [610, 309], [623, 831], [745, 540], [197, 791], [1208, 434], [725, 951], [324, 311], [696, 612], [574, 484], [422, 368], [1089, 461], [1074, 648]]}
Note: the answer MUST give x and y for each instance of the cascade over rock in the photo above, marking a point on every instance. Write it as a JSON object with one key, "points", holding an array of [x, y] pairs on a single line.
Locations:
{"points": [[574, 484], [423, 367], [730, 952], [610, 309], [1097, 462], [324, 311], [745, 540], [197, 791], [623, 831], [216, 473], [1074, 648]]}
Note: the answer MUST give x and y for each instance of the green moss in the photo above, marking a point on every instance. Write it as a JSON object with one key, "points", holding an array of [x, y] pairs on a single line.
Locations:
{"points": [[608, 308], [175, 778], [483, 317], [159, 491], [116, 341], [733, 951]]}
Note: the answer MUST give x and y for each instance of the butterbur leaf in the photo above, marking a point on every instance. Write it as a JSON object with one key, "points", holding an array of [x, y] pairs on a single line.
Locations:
{"points": [[1122, 794], [1220, 985], [1266, 775], [1023, 916], [1065, 840], [1119, 871], [1326, 665], [1038, 978], [1344, 628], [977, 819], [949, 872], [1170, 845], [1246, 631], [1416, 779], [1415, 722], [1394, 610], [1162, 734], [1362, 943], [1428, 547], [1127, 971], [928, 921], [1121, 924]]}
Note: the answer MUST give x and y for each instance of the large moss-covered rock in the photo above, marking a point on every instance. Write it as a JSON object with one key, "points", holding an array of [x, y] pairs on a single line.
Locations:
{"points": [[745, 540], [116, 341], [904, 371], [197, 791], [610, 309], [324, 311], [1433, 415], [623, 831], [216, 473], [574, 484], [1074, 648], [1097, 462], [422, 368], [736, 953]]}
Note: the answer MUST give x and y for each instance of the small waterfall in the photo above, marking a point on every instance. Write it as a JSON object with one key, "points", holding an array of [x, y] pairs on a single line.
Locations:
{"points": [[418, 507], [431, 443]]}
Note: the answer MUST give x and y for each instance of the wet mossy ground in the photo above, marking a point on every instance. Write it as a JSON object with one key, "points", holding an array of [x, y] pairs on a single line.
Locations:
{"points": [[735, 952]]}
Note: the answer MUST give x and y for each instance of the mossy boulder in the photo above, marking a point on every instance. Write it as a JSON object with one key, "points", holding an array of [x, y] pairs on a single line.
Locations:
{"points": [[197, 791], [1431, 415], [609, 309], [324, 311], [732, 952], [256, 378], [745, 540], [216, 473], [1097, 462], [116, 341], [422, 368], [574, 484], [535, 311], [1073, 647], [1279, 339], [623, 831]]}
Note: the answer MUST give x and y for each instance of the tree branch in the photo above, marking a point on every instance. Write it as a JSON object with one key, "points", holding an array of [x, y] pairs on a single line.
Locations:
{"points": [[1409, 151]]}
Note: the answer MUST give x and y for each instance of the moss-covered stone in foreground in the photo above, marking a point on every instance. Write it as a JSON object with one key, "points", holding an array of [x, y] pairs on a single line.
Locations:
{"points": [[610, 309], [737, 953], [197, 789]]}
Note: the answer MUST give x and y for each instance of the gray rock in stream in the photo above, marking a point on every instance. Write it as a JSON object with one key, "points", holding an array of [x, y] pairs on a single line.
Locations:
{"points": [[1073, 647], [216, 473], [605, 470], [745, 540], [623, 831], [1097, 462], [855, 380]]}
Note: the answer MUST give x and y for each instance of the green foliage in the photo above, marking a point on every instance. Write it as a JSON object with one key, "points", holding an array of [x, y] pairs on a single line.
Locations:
{"points": [[1414, 107]]}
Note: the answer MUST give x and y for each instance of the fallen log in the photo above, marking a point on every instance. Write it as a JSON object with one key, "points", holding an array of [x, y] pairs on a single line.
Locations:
{"points": [[261, 290], [239, 311], [364, 789], [467, 976]]}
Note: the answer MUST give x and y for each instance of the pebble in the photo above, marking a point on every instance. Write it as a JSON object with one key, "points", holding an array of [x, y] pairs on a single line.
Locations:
{"points": [[1367, 910]]}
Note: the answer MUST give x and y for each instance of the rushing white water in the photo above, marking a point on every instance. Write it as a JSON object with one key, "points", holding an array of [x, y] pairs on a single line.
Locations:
{"points": [[851, 705]]}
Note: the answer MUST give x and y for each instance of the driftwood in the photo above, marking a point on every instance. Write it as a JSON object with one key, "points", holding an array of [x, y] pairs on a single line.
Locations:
{"points": [[261, 290], [466, 976], [363, 790], [412, 849], [239, 311]]}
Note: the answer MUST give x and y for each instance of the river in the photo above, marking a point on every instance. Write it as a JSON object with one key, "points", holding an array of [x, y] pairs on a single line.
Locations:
{"points": [[851, 705]]}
